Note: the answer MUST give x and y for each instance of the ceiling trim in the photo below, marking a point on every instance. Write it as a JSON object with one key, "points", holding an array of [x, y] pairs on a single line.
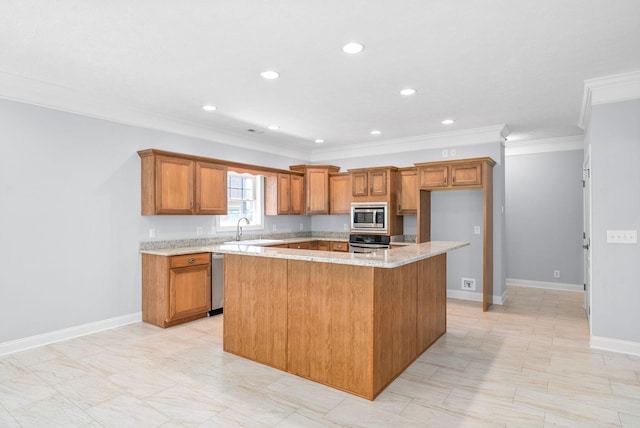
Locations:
{"points": [[465, 137], [43, 94], [561, 144], [610, 89]]}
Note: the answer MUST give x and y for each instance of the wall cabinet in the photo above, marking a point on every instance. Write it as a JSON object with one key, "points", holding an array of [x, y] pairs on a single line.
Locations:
{"points": [[316, 188], [284, 194], [180, 185], [369, 182], [408, 191], [451, 174], [175, 289], [340, 193]]}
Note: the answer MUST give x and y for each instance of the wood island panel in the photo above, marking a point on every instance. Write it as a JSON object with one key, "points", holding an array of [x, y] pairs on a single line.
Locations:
{"points": [[330, 324], [431, 301], [255, 309], [394, 309]]}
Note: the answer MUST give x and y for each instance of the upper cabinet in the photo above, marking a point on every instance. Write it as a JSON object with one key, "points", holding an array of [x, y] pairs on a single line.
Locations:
{"points": [[211, 188], [465, 173], [373, 184], [408, 191], [316, 188], [340, 193], [180, 185], [284, 194]]}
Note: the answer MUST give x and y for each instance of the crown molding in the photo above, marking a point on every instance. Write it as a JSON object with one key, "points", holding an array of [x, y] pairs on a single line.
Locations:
{"points": [[57, 97], [466, 137], [610, 89], [561, 144]]}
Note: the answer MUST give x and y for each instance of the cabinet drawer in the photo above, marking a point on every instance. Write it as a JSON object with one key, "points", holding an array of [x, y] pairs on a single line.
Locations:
{"points": [[301, 245], [190, 260], [339, 246]]}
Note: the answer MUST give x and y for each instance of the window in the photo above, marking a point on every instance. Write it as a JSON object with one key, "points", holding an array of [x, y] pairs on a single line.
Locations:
{"points": [[245, 197]]}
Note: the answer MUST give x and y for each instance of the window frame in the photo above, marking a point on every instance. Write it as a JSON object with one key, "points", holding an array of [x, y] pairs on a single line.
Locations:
{"points": [[259, 204]]}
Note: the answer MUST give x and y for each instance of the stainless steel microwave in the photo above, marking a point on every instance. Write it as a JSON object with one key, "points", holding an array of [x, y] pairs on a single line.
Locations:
{"points": [[369, 217]]}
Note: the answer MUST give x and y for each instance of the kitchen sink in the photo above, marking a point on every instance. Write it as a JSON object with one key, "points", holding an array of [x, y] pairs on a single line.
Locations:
{"points": [[259, 242]]}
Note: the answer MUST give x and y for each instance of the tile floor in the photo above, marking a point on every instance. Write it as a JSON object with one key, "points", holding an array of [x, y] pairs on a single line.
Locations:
{"points": [[526, 363]]}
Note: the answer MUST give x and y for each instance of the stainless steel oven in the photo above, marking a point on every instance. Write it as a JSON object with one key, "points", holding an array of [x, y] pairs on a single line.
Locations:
{"points": [[362, 243], [369, 217]]}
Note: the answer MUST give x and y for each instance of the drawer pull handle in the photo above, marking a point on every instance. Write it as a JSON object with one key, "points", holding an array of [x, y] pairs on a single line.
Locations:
{"points": [[192, 260]]}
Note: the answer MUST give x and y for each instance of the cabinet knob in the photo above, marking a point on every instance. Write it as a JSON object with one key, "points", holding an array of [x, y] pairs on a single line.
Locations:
{"points": [[192, 260]]}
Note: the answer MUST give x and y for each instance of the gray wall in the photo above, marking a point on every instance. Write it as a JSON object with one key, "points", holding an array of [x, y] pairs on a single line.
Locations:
{"points": [[70, 222], [454, 213], [544, 216], [614, 135]]}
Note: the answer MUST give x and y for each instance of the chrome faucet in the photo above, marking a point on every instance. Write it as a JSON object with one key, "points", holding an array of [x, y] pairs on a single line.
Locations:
{"points": [[239, 229]]}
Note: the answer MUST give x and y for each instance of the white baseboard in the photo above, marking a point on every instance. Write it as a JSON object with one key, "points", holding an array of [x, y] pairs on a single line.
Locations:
{"points": [[543, 284], [67, 333], [615, 345], [474, 297]]}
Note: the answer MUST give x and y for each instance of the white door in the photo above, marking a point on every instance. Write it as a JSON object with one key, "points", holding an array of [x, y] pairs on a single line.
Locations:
{"points": [[586, 198]]}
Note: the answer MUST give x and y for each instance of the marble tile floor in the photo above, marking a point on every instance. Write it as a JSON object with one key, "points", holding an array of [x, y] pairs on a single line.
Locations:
{"points": [[524, 364]]}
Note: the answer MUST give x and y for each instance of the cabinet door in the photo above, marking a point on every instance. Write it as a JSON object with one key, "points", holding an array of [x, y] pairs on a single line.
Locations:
{"points": [[340, 194], [408, 192], [434, 176], [189, 291], [174, 185], [377, 183], [211, 189], [359, 184], [284, 193], [317, 191], [297, 195], [468, 174]]}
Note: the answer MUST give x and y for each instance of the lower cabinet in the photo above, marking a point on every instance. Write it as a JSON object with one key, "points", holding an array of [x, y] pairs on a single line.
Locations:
{"points": [[175, 289]]}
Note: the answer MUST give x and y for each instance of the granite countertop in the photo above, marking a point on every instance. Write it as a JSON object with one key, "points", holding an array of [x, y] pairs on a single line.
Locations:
{"points": [[382, 258]]}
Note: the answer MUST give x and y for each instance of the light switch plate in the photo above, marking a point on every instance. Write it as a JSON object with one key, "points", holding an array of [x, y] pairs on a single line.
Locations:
{"points": [[622, 237]]}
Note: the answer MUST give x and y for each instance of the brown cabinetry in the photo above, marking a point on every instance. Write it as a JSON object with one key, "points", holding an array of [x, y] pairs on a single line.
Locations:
{"points": [[339, 246], [175, 289], [284, 194], [316, 187], [340, 193], [181, 185], [369, 182], [451, 174], [408, 191]]}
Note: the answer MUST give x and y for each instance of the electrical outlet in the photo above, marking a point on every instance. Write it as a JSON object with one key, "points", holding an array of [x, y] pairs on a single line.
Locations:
{"points": [[273, 227], [344, 227], [468, 284], [452, 152], [301, 227], [199, 230], [152, 233], [476, 230], [556, 273], [622, 237], [445, 153]]}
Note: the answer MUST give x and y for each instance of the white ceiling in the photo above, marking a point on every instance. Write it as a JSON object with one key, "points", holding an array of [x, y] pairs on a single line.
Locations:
{"points": [[521, 63]]}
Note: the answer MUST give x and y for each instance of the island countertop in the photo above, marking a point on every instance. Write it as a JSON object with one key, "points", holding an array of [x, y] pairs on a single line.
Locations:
{"points": [[382, 258]]}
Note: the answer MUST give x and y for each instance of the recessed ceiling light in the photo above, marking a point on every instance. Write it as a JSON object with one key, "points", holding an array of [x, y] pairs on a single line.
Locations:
{"points": [[273, 127], [448, 121], [375, 132], [270, 74], [319, 141], [408, 91], [209, 108], [353, 48]]}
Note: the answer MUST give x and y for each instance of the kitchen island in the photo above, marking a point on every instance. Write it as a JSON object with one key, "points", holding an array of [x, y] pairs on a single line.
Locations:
{"points": [[350, 321]]}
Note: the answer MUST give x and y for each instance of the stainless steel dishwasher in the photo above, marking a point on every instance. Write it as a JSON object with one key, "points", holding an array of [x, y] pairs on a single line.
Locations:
{"points": [[217, 283]]}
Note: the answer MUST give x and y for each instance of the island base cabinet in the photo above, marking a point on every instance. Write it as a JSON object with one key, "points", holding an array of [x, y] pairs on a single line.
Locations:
{"points": [[330, 331], [255, 309], [432, 301]]}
